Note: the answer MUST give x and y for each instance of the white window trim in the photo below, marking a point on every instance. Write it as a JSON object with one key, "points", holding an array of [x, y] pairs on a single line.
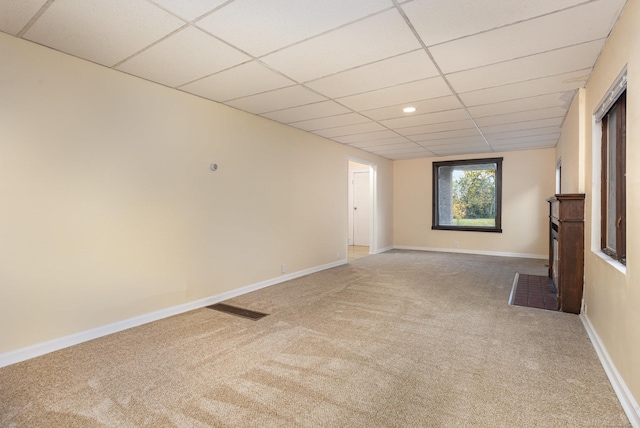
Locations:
{"points": [[610, 97]]}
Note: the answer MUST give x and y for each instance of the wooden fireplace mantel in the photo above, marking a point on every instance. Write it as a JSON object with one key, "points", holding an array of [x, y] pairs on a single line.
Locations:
{"points": [[566, 249]]}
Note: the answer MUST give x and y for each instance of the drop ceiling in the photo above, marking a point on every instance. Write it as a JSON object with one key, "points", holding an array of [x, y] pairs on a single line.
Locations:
{"points": [[484, 75]]}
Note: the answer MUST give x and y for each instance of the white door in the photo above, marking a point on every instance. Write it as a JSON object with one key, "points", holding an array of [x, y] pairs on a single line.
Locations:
{"points": [[361, 208]]}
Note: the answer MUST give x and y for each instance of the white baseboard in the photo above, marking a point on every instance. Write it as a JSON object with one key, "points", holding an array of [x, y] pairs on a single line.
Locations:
{"points": [[628, 402], [383, 250], [484, 253], [39, 349]]}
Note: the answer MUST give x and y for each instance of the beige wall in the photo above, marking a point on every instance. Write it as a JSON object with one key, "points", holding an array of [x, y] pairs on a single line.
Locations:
{"points": [[571, 146], [108, 208], [612, 295], [528, 179]]}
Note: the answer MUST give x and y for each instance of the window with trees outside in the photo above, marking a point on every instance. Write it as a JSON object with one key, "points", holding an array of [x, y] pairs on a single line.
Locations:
{"points": [[613, 187], [467, 195]]}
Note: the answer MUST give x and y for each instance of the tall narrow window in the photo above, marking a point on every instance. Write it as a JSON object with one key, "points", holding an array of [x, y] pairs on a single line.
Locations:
{"points": [[467, 195], [613, 217]]}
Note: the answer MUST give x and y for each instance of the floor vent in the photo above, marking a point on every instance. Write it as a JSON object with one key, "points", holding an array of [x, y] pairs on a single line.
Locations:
{"points": [[240, 312]]}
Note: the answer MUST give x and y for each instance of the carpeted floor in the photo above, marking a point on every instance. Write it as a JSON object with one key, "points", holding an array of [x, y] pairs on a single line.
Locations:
{"points": [[401, 339]]}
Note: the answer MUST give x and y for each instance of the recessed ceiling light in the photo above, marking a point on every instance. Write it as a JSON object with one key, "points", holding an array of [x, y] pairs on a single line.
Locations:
{"points": [[409, 109]]}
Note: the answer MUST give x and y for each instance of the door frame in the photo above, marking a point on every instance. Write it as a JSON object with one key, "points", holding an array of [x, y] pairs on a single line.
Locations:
{"points": [[352, 200], [373, 191]]}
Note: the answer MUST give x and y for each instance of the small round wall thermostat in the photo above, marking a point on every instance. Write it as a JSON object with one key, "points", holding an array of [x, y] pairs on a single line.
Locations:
{"points": [[213, 166]]}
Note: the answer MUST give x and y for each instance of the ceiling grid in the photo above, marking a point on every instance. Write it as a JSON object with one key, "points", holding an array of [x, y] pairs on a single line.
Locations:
{"points": [[483, 75]]}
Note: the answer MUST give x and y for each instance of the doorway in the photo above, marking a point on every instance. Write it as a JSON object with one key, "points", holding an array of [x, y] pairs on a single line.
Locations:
{"points": [[361, 209]]}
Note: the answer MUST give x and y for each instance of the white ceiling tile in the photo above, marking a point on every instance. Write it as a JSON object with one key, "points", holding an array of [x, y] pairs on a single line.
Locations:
{"points": [[414, 150], [349, 130], [105, 32], [526, 146], [462, 151], [276, 100], [410, 156], [260, 27], [309, 111], [183, 57], [419, 138], [523, 133], [522, 116], [405, 93], [396, 146], [590, 21], [532, 67], [378, 37], [437, 127], [458, 146], [14, 15], [542, 123], [400, 69], [565, 82], [562, 99], [189, 10], [241, 81], [425, 119], [368, 136], [526, 140], [382, 142], [331, 122], [439, 21], [471, 140], [424, 106]]}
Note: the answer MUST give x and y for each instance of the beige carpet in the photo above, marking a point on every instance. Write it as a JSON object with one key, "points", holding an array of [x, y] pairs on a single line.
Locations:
{"points": [[401, 339]]}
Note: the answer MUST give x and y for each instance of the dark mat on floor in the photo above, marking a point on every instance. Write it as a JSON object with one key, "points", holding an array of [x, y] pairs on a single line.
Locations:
{"points": [[534, 291]]}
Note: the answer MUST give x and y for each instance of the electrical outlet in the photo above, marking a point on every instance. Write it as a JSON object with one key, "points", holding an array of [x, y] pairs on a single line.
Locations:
{"points": [[455, 244], [283, 268], [338, 255]]}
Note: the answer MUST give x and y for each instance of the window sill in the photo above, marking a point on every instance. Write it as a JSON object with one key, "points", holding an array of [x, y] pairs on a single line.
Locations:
{"points": [[613, 263], [467, 229]]}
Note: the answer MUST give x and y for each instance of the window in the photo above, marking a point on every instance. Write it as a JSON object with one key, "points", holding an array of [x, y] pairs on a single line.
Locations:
{"points": [[613, 184], [467, 195]]}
